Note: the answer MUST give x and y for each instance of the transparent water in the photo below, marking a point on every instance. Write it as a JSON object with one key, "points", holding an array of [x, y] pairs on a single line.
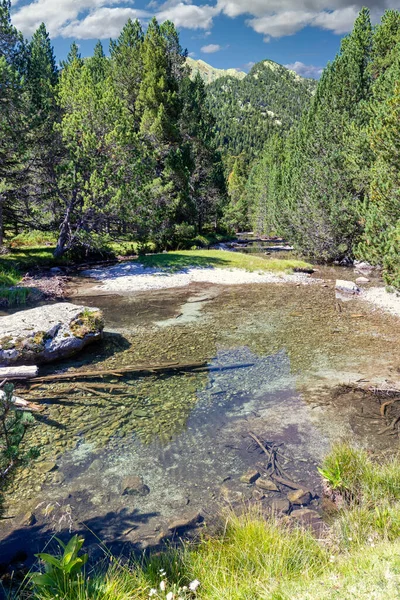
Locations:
{"points": [[274, 355]]}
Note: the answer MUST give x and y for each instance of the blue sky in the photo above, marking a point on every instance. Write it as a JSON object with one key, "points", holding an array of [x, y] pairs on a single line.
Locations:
{"points": [[304, 34]]}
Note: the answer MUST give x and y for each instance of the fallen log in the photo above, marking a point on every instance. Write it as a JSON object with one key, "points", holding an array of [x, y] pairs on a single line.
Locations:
{"points": [[22, 372], [119, 372]]}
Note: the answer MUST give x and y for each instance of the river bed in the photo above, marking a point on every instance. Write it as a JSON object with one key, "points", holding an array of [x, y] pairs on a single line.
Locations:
{"points": [[272, 357]]}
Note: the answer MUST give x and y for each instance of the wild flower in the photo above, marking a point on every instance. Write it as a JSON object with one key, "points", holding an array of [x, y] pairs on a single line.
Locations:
{"points": [[170, 596], [163, 585], [194, 585], [152, 592]]}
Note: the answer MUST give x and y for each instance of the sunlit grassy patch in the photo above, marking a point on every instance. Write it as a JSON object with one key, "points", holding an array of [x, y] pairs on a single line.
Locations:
{"points": [[183, 259]]}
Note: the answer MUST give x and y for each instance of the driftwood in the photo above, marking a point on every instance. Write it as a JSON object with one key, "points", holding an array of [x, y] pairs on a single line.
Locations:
{"points": [[287, 482], [24, 405], [374, 389], [273, 468], [120, 372], [23, 372]]}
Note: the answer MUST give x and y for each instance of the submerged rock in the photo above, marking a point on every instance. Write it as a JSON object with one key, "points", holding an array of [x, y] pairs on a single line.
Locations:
{"points": [[306, 517], [362, 280], [250, 476], [299, 496], [280, 506], [48, 333], [264, 483], [347, 287], [133, 485], [185, 521]]}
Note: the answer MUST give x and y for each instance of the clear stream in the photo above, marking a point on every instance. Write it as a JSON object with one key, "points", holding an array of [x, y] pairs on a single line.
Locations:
{"points": [[275, 355]]}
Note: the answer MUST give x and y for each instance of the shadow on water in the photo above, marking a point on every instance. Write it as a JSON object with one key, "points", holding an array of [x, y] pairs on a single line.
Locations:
{"points": [[111, 345], [102, 533]]}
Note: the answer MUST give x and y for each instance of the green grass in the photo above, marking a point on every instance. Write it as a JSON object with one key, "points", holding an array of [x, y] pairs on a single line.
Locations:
{"points": [[184, 259], [358, 558]]}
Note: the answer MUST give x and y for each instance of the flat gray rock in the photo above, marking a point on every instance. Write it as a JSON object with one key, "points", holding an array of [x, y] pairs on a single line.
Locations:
{"points": [[48, 333], [347, 287]]}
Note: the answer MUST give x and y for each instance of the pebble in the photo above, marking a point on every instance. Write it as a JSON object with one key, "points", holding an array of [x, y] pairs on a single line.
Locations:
{"points": [[266, 484], [299, 496], [187, 520], [132, 485], [250, 476], [280, 506]]}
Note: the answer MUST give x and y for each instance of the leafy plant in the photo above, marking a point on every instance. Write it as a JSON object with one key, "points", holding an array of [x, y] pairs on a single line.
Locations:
{"points": [[64, 572], [333, 475]]}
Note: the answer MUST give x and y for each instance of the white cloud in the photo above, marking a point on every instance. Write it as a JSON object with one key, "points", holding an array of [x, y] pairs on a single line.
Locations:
{"points": [[55, 14], [246, 67], [278, 18], [85, 19], [102, 23], [281, 24], [211, 48], [305, 70], [190, 16]]}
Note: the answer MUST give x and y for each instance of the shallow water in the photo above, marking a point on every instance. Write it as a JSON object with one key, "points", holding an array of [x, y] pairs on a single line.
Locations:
{"points": [[272, 354]]}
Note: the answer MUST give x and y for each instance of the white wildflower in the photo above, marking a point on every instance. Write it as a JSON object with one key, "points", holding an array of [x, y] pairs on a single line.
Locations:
{"points": [[152, 592], [170, 596], [163, 585], [194, 585]]}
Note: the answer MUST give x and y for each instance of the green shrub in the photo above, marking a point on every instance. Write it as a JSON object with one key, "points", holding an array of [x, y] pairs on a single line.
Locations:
{"points": [[15, 296], [9, 276], [90, 245], [33, 238]]}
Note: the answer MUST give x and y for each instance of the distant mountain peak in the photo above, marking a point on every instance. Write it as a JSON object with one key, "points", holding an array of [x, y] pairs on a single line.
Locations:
{"points": [[209, 73]]}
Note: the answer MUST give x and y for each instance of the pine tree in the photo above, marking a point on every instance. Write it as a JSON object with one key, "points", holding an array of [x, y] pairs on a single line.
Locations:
{"points": [[73, 55], [206, 185], [127, 65], [102, 166], [42, 74], [98, 64], [13, 121]]}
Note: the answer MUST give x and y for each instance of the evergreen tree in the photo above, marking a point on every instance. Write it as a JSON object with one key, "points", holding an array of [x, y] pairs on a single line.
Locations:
{"points": [[13, 113], [102, 159], [127, 65], [206, 185], [98, 64], [72, 56], [236, 215]]}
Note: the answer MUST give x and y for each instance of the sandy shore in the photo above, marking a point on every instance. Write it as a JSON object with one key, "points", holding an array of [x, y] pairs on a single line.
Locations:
{"points": [[132, 277], [389, 302]]}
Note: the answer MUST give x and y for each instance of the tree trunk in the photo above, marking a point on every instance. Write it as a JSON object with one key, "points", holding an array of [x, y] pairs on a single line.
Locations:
{"points": [[64, 230]]}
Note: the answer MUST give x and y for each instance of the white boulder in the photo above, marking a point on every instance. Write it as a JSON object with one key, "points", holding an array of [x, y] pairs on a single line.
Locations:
{"points": [[47, 333]]}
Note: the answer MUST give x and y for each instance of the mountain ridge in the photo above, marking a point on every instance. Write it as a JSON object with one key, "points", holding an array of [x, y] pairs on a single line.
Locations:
{"points": [[208, 73]]}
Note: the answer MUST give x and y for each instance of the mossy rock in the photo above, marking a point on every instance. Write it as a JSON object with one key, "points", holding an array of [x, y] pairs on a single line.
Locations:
{"points": [[48, 333]]}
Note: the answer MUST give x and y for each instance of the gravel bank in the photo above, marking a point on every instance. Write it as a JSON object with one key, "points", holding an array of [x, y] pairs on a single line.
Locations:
{"points": [[132, 277], [390, 302]]}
